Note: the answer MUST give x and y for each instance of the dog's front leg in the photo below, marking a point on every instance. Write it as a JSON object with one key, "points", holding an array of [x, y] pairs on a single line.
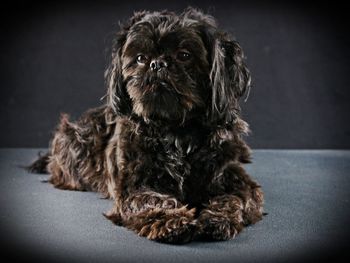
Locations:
{"points": [[147, 197], [158, 217], [238, 203]]}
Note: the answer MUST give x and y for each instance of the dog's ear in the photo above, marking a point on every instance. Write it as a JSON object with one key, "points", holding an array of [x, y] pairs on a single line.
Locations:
{"points": [[229, 78], [117, 97]]}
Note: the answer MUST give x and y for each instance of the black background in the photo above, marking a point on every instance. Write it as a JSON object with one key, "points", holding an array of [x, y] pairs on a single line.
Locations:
{"points": [[53, 56]]}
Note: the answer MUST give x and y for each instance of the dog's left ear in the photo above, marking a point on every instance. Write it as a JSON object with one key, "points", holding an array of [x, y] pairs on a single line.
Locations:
{"points": [[118, 99], [229, 77]]}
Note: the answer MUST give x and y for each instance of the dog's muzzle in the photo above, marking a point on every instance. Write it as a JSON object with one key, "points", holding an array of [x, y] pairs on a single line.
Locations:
{"points": [[158, 64]]}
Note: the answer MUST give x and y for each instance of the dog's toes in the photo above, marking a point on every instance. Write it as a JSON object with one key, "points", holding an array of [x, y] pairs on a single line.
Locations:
{"points": [[216, 228], [114, 216], [174, 227], [179, 233], [217, 231]]}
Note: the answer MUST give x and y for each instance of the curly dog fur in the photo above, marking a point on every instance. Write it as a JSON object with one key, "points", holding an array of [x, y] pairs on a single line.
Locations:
{"points": [[167, 145]]}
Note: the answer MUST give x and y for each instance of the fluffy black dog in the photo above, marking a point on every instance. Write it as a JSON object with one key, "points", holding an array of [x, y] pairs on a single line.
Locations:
{"points": [[167, 144]]}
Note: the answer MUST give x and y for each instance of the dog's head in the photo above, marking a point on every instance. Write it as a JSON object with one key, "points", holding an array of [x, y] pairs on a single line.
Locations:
{"points": [[169, 67]]}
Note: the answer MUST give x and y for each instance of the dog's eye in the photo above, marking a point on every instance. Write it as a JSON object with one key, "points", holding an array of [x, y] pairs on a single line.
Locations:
{"points": [[183, 55], [141, 59]]}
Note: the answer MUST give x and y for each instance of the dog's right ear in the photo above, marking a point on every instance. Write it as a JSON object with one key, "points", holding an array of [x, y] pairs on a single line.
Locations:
{"points": [[118, 99]]}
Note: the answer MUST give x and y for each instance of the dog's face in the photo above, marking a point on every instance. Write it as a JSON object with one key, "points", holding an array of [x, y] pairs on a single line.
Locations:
{"points": [[167, 67]]}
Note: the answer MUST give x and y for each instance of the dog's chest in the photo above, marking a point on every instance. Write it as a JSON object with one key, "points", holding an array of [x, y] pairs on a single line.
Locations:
{"points": [[174, 151]]}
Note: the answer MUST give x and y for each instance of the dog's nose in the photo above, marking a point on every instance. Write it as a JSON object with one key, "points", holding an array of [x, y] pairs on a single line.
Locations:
{"points": [[157, 64]]}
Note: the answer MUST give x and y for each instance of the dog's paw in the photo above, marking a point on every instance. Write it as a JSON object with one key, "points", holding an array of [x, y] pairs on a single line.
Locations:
{"points": [[217, 227], [168, 225]]}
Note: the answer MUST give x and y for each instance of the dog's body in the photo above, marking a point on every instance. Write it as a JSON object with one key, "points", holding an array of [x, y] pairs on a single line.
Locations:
{"points": [[167, 145]]}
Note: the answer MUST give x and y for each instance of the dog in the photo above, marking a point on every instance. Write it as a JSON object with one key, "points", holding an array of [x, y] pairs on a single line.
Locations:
{"points": [[167, 144]]}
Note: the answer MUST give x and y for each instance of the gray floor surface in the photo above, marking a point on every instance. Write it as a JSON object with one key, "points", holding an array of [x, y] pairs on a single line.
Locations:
{"points": [[307, 200]]}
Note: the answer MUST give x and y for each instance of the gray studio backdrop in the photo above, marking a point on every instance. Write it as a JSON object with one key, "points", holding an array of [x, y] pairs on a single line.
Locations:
{"points": [[53, 57]]}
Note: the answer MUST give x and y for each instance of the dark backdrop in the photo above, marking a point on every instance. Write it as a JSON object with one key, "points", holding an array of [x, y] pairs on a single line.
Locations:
{"points": [[53, 57]]}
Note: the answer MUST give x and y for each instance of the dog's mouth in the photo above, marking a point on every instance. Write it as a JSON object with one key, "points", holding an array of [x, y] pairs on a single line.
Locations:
{"points": [[163, 96], [158, 85], [160, 91]]}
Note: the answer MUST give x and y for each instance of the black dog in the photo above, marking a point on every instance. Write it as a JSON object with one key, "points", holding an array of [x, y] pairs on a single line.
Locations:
{"points": [[167, 144]]}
